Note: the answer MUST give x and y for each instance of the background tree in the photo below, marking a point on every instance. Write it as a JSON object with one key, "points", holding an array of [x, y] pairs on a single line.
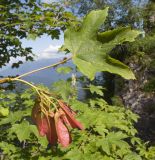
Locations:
{"points": [[28, 19]]}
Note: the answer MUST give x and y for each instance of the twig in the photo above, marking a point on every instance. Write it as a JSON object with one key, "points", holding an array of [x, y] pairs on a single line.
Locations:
{"points": [[4, 80], [46, 67], [37, 89]]}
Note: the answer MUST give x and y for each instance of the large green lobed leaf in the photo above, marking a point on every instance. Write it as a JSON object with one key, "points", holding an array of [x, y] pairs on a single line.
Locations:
{"points": [[90, 48]]}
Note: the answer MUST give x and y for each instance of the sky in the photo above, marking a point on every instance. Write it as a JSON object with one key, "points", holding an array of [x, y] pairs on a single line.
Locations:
{"points": [[44, 47]]}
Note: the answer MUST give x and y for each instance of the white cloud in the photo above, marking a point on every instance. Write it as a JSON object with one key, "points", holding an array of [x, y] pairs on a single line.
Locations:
{"points": [[50, 52], [52, 48]]}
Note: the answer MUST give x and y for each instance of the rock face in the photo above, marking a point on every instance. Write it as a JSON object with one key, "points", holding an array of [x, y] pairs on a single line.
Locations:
{"points": [[142, 103]]}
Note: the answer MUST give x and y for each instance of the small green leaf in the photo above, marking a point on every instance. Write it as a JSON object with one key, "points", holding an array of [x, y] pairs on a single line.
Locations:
{"points": [[64, 88], [13, 117], [132, 156], [41, 140], [96, 89], [73, 154], [32, 36], [22, 130], [4, 111], [7, 148], [104, 144]]}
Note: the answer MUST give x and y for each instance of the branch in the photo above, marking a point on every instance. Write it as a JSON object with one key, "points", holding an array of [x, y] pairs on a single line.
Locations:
{"points": [[4, 80], [46, 67]]}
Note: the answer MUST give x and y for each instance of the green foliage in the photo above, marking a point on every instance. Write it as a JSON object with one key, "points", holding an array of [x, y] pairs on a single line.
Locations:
{"points": [[64, 89], [145, 45], [90, 49], [96, 89], [120, 14], [150, 86], [22, 130], [19, 138], [109, 133], [116, 100], [28, 20], [4, 111]]}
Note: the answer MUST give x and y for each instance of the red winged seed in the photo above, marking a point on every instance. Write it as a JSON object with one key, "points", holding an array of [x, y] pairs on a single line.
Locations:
{"points": [[51, 134], [55, 125], [40, 121], [64, 118], [42, 126], [62, 104], [72, 121], [62, 131], [66, 121]]}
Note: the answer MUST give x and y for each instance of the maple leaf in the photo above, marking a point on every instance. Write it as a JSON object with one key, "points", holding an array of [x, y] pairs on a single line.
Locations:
{"points": [[90, 48]]}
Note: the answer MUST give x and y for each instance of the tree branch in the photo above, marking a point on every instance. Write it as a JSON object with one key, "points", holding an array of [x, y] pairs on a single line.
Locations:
{"points": [[4, 80], [46, 67]]}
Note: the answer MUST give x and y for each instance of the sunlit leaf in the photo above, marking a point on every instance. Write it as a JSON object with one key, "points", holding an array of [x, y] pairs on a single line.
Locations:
{"points": [[90, 49], [22, 130], [4, 111], [96, 89]]}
